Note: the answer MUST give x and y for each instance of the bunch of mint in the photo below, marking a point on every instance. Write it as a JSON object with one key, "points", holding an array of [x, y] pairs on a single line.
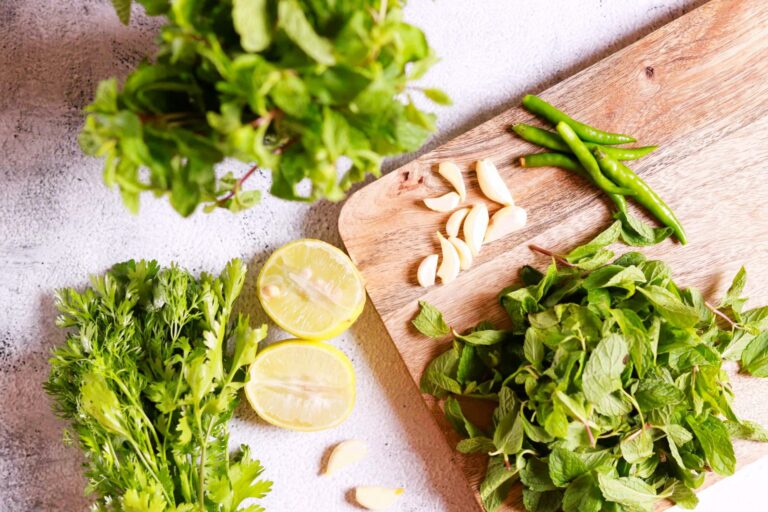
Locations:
{"points": [[298, 87], [610, 383]]}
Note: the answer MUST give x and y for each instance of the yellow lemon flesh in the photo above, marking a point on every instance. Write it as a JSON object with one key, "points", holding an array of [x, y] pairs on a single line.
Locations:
{"points": [[311, 289], [302, 385]]}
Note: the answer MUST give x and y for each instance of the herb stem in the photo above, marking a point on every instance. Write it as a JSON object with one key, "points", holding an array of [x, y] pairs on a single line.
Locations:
{"points": [[722, 315], [237, 185], [557, 257]]}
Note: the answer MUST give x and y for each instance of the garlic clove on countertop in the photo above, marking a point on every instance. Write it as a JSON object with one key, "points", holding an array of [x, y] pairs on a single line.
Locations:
{"points": [[491, 184], [377, 498], [346, 454], [451, 264], [475, 226], [465, 254], [453, 225], [427, 271], [445, 203], [453, 175], [505, 221]]}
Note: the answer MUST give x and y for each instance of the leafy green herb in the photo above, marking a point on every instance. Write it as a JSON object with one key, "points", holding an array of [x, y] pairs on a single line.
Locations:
{"points": [[430, 322], [301, 88], [148, 388], [610, 389]]}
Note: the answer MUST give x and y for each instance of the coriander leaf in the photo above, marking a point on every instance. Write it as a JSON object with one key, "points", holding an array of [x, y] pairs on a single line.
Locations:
{"points": [[711, 433], [583, 495], [754, 358], [252, 21], [602, 374], [430, 322], [630, 492], [437, 96]]}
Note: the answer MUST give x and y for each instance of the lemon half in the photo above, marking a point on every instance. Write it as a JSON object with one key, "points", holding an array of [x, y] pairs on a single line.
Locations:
{"points": [[302, 385], [311, 289]]}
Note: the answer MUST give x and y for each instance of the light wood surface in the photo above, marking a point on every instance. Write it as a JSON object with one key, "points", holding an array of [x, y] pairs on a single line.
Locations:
{"points": [[698, 87]]}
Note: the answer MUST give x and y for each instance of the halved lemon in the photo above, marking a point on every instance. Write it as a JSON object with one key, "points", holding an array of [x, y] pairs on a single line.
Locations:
{"points": [[302, 385], [311, 289]]}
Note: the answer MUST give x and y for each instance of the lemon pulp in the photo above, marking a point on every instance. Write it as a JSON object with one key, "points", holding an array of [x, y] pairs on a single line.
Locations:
{"points": [[302, 385]]}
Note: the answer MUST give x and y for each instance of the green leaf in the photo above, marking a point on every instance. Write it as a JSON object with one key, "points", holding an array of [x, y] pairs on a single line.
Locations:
{"points": [[583, 495], [508, 436], [683, 496], [592, 247], [533, 347], [484, 337], [547, 501], [294, 22], [746, 429], [461, 424], [637, 233], [437, 379], [754, 358], [430, 322], [252, 23], [713, 436], [123, 10], [476, 445], [653, 394], [602, 375], [535, 475], [733, 295], [495, 487], [632, 493], [670, 306], [566, 465], [437, 96], [637, 446]]}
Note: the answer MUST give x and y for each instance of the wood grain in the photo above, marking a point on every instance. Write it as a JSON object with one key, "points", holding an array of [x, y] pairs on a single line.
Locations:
{"points": [[698, 87]]}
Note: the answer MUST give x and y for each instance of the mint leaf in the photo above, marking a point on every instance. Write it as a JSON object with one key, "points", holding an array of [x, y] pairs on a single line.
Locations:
{"points": [[754, 358], [670, 306], [583, 495], [484, 337], [430, 322], [711, 433], [594, 246], [437, 96], [746, 429], [637, 446], [438, 378], [123, 10], [496, 484], [602, 375], [630, 492]]}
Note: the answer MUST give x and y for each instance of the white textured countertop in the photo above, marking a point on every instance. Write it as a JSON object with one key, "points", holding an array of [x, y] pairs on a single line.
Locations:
{"points": [[58, 224]]}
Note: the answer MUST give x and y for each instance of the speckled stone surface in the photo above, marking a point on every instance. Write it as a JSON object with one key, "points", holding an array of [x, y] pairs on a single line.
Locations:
{"points": [[58, 224]]}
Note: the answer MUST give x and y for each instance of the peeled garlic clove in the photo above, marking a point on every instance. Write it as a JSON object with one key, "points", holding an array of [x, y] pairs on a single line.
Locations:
{"points": [[427, 271], [377, 498], [505, 221], [454, 222], [475, 226], [465, 254], [444, 203], [451, 264], [491, 183], [452, 174], [348, 452]]}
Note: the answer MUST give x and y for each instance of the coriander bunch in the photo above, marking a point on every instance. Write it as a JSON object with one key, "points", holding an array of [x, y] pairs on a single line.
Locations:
{"points": [[146, 383], [298, 87]]}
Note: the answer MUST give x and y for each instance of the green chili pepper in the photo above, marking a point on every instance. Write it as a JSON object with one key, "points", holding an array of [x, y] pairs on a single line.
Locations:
{"points": [[643, 194], [588, 161], [553, 141], [541, 108], [568, 163]]}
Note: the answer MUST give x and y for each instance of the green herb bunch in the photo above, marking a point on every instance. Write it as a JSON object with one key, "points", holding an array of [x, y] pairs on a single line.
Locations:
{"points": [[299, 87], [610, 383], [145, 381]]}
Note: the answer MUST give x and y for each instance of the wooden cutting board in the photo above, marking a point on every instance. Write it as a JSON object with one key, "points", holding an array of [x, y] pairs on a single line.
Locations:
{"points": [[698, 87]]}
